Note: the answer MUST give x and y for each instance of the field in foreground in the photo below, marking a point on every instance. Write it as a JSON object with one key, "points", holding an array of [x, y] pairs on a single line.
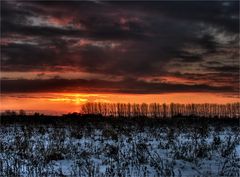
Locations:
{"points": [[115, 147]]}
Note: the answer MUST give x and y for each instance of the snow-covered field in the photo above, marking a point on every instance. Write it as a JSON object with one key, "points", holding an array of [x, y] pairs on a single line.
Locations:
{"points": [[109, 150]]}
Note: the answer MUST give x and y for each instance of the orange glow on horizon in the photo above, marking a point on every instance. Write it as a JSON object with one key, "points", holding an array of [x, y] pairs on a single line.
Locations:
{"points": [[70, 102]]}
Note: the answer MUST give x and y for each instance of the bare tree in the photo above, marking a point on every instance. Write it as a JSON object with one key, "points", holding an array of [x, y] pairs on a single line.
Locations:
{"points": [[161, 110]]}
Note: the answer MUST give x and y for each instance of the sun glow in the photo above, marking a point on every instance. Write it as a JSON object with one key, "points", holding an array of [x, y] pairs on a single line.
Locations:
{"points": [[71, 102], [84, 95], [77, 99]]}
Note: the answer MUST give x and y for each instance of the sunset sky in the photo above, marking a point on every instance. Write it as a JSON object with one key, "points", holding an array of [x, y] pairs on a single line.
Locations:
{"points": [[57, 55]]}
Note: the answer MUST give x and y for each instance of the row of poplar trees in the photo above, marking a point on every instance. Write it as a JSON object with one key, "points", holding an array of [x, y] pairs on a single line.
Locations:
{"points": [[230, 110]]}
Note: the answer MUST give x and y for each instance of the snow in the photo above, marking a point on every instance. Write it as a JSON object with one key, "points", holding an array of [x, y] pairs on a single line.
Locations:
{"points": [[79, 151]]}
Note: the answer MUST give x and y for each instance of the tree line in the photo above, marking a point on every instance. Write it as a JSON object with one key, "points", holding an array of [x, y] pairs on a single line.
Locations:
{"points": [[155, 110]]}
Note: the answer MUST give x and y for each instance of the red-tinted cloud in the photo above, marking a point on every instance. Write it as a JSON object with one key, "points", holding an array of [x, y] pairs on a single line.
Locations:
{"points": [[187, 40]]}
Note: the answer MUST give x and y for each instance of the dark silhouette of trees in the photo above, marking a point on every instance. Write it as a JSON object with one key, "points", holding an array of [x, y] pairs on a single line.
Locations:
{"points": [[9, 113], [22, 113], [139, 111], [156, 110]]}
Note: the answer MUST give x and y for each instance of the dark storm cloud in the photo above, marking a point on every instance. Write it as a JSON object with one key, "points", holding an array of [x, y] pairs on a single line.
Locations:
{"points": [[223, 78], [220, 13], [102, 86], [188, 57], [227, 69], [127, 39], [99, 23]]}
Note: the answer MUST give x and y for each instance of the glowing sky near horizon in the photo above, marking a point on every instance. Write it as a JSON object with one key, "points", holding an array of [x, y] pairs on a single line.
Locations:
{"points": [[59, 103], [58, 55]]}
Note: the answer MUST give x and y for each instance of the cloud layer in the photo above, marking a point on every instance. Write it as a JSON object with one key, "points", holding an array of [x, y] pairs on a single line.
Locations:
{"points": [[153, 47]]}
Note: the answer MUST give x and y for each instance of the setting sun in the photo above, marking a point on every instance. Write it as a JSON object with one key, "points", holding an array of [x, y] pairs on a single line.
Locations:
{"points": [[119, 88]]}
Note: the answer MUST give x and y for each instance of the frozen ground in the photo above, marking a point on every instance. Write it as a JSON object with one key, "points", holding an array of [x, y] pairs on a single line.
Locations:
{"points": [[108, 150]]}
